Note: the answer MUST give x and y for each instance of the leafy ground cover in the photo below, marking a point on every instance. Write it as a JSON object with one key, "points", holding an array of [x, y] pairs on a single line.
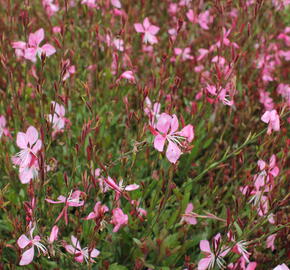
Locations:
{"points": [[144, 134]]}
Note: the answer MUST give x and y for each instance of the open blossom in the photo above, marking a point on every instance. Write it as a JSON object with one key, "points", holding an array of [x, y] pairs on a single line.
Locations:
{"points": [[81, 254], [203, 19], [57, 119], [119, 219], [149, 31], [184, 54], [99, 211], [167, 127], [74, 200], [214, 256], [32, 49], [23, 241], [188, 216], [50, 7], [272, 119], [30, 145]]}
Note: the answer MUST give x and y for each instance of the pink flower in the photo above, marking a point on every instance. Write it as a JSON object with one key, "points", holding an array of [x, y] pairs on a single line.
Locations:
{"points": [[68, 70], [3, 129], [129, 75], [23, 242], [149, 31], [281, 267], [57, 119], [53, 234], [272, 119], [30, 145], [116, 3], [184, 54], [166, 122], [33, 49], [152, 113], [212, 257], [188, 217], [90, 3], [50, 7], [99, 211], [81, 253], [74, 200], [119, 219], [266, 100], [270, 241], [119, 189]]}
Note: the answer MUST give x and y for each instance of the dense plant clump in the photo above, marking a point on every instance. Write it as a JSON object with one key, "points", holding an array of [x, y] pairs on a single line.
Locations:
{"points": [[144, 134]]}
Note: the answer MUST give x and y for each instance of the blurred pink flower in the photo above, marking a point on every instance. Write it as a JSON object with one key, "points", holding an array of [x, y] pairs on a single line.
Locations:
{"points": [[99, 211], [149, 31], [188, 216], [50, 7], [119, 219], [270, 241], [81, 253], [33, 49], [53, 234], [3, 130], [272, 119]]}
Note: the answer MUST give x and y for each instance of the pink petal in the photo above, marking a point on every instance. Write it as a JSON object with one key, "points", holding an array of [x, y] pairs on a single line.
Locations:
{"points": [[94, 253], [79, 258], [25, 175], [266, 117], [35, 39], [146, 23], [251, 266], [139, 28], [189, 208], [187, 132], [163, 123], [37, 146], [173, 152], [204, 246], [153, 29], [32, 135], [48, 49], [203, 263], [21, 140], [91, 215], [159, 142], [132, 187], [75, 242], [53, 234], [174, 124], [70, 249], [116, 3], [177, 51], [23, 241], [27, 256]]}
